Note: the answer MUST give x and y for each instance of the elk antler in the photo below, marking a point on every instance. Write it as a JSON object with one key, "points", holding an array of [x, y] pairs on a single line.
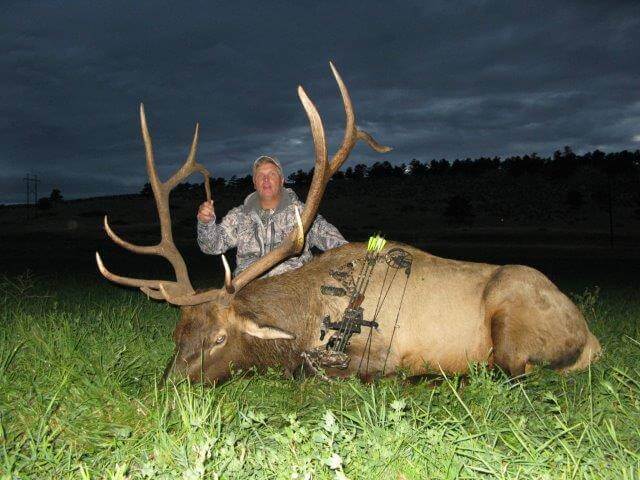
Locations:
{"points": [[160, 289], [321, 175]]}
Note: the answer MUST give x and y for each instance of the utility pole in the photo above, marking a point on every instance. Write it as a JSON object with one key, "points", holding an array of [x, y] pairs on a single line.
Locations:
{"points": [[31, 179], [35, 189], [27, 180], [610, 211]]}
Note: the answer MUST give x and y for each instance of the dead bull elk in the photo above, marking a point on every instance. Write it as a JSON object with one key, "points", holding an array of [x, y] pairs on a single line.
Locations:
{"points": [[445, 315]]}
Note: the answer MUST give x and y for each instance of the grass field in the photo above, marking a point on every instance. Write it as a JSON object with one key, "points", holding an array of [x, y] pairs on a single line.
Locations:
{"points": [[79, 398]]}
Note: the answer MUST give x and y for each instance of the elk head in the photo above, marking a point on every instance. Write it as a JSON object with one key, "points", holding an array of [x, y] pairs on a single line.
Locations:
{"points": [[211, 334]]}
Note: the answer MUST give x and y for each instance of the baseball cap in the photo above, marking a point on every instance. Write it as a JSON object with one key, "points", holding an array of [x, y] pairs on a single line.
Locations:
{"points": [[265, 158]]}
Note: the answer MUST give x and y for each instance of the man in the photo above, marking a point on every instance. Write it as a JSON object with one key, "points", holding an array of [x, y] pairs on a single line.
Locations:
{"points": [[262, 222]]}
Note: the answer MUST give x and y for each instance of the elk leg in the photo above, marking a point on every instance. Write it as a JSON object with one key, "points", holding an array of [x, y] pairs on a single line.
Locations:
{"points": [[506, 353], [309, 364], [590, 353]]}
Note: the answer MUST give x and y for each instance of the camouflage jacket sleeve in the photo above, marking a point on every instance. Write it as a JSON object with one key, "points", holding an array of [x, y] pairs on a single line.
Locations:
{"points": [[323, 235], [216, 238]]}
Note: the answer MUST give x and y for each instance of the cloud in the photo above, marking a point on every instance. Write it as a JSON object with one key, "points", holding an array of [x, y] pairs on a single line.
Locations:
{"points": [[432, 79]]}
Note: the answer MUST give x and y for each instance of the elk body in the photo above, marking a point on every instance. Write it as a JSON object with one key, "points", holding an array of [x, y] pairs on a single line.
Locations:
{"points": [[453, 314], [442, 317]]}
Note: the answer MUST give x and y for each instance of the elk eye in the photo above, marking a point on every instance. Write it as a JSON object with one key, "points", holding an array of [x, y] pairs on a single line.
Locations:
{"points": [[220, 339]]}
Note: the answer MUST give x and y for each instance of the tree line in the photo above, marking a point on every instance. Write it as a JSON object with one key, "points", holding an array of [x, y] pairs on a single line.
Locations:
{"points": [[561, 165]]}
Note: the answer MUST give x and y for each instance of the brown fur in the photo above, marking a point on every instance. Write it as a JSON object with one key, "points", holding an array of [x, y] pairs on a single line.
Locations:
{"points": [[454, 313]]}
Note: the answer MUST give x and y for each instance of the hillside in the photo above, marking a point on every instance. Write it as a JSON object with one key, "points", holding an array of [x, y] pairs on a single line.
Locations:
{"points": [[491, 216]]}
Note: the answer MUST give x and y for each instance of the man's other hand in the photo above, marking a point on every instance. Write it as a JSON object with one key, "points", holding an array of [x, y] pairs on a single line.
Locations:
{"points": [[206, 213]]}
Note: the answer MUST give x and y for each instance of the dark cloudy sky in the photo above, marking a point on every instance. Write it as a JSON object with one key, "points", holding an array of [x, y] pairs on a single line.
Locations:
{"points": [[432, 79]]}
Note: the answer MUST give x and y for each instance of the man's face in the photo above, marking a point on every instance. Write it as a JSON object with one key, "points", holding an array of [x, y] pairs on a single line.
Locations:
{"points": [[268, 181]]}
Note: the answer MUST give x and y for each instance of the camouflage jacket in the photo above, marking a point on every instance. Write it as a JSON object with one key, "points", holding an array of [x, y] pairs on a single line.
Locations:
{"points": [[254, 232]]}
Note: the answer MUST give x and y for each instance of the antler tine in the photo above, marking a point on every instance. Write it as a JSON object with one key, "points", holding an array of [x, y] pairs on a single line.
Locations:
{"points": [[128, 281], [148, 150], [299, 231], [351, 133], [190, 166], [144, 249], [149, 287], [228, 284], [321, 171]]}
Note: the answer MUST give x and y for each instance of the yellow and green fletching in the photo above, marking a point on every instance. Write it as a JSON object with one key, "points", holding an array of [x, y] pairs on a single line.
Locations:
{"points": [[376, 244]]}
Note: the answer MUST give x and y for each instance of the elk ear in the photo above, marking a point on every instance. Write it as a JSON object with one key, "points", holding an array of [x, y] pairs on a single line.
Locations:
{"points": [[266, 333]]}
